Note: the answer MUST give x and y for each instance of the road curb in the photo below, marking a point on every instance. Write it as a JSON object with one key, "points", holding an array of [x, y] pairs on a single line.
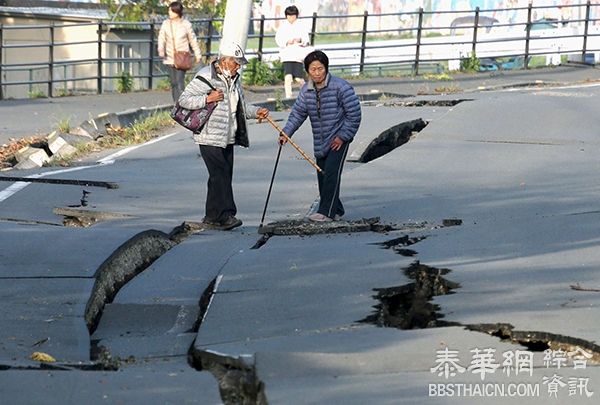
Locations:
{"points": [[58, 145]]}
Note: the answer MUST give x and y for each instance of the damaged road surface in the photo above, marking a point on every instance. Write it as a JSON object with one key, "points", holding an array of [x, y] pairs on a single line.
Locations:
{"points": [[147, 308]]}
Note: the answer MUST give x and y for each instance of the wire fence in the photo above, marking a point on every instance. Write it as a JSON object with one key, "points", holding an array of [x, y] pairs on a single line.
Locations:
{"points": [[60, 59]]}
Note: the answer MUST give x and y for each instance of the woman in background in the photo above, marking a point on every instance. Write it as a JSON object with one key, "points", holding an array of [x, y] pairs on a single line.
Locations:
{"points": [[176, 34]]}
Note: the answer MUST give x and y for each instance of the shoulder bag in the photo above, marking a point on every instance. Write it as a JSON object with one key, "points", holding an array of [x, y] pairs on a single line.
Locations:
{"points": [[194, 120], [182, 60]]}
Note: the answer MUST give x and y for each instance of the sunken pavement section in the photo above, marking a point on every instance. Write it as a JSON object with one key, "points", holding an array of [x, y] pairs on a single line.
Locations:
{"points": [[472, 233]]}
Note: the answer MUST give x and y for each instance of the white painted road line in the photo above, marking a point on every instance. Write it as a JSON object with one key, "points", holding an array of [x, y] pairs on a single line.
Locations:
{"points": [[108, 160]]}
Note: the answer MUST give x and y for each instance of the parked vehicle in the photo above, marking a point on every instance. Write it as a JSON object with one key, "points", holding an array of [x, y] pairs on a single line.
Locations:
{"points": [[461, 25]]}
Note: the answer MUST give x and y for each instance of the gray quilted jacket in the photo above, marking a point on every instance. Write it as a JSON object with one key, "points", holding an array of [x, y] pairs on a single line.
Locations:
{"points": [[216, 130]]}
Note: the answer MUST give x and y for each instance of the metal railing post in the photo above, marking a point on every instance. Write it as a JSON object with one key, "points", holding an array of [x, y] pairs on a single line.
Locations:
{"points": [[585, 30], [65, 85], [151, 56], [475, 29], [419, 34], [51, 61], [528, 36], [261, 33], [313, 29], [363, 43], [1, 61], [100, 61], [209, 39]]}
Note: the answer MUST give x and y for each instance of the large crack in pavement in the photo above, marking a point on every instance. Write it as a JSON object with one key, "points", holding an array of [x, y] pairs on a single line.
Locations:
{"points": [[237, 379], [417, 103], [409, 306]]}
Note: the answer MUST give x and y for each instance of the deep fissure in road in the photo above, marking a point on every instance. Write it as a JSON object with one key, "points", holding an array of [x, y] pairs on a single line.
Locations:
{"points": [[399, 245], [409, 306], [391, 139], [419, 103], [538, 341]]}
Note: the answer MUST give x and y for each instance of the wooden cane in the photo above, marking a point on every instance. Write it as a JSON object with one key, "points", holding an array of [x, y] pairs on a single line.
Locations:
{"points": [[304, 155]]}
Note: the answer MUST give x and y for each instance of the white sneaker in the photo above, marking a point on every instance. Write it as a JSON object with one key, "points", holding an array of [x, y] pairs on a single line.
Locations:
{"points": [[316, 217]]}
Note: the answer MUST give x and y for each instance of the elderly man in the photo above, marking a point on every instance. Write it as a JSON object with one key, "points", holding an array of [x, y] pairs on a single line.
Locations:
{"points": [[219, 82]]}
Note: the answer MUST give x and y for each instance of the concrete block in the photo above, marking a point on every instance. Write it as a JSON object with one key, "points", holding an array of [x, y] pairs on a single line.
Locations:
{"points": [[30, 158], [96, 127], [129, 117], [59, 146]]}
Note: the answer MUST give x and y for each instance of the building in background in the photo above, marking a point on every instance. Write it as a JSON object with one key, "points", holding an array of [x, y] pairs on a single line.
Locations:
{"points": [[62, 44]]}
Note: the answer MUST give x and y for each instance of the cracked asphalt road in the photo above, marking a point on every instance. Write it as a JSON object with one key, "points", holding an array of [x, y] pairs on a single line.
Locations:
{"points": [[519, 168]]}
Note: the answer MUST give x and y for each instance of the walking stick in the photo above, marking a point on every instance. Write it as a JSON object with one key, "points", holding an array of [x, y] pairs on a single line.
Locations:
{"points": [[262, 219], [304, 155]]}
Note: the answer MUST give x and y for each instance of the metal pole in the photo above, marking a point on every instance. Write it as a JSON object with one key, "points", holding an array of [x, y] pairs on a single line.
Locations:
{"points": [[151, 56], [363, 44], [527, 36], [585, 30], [1, 61], [236, 22], [475, 29], [99, 78], [313, 29], [51, 60], [262, 219], [419, 33], [209, 39], [261, 37]]}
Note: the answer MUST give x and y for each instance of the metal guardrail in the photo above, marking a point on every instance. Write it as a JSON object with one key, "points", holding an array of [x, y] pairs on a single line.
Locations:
{"points": [[390, 48]]}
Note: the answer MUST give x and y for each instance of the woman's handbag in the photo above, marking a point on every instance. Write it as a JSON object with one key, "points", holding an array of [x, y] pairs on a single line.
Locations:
{"points": [[182, 60], [194, 120]]}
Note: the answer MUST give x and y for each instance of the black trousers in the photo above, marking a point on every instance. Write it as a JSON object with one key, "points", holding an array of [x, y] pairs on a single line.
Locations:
{"points": [[219, 196], [329, 182], [177, 79]]}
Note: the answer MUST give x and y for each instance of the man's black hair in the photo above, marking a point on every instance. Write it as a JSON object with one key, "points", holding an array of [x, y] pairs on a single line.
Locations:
{"points": [[177, 8], [316, 55], [292, 10]]}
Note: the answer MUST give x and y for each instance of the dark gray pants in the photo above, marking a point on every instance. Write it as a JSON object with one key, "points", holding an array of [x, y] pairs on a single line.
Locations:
{"points": [[219, 197], [177, 78], [329, 182]]}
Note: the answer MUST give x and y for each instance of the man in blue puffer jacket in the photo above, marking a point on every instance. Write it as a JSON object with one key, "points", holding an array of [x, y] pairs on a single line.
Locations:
{"points": [[334, 112]]}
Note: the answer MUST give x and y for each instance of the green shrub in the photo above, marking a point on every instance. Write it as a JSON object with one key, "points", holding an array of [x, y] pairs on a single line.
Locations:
{"points": [[164, 84], [36, 93], [258, 73], [64, 125], [471, 64], [277, 70], [124, 82]]}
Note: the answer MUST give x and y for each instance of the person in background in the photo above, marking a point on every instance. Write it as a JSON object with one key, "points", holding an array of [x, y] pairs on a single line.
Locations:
{"points": [[225, 128], [293, 41], [335, 115], [176, 33]]}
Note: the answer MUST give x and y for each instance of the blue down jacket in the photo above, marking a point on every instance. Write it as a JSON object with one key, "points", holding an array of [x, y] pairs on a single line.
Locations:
{"points": [[334, 111]]}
